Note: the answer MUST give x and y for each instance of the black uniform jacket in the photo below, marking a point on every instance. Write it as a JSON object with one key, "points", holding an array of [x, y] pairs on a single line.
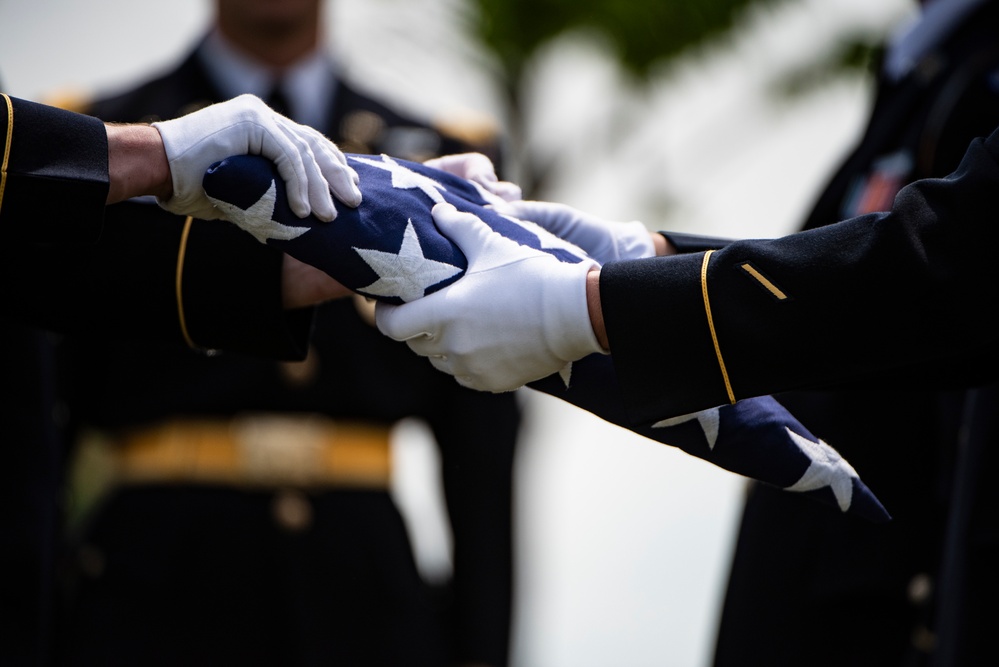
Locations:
{"points": [[913, 591], [55, 173], [764, 316]]}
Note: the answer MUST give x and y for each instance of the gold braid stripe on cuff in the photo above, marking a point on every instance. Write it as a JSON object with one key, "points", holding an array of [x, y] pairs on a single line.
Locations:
{"points": [[180, 283], [711, 326], [6, 146]]}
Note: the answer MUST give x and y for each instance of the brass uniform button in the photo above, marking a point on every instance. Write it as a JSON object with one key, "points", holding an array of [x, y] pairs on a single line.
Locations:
{"points": [[91, 561], [360, 131], [923, 639], [292, 511], [920, 589]]}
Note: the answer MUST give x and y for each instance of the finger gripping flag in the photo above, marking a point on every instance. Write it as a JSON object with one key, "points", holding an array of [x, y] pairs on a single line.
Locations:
{"points": [[388, 248]]}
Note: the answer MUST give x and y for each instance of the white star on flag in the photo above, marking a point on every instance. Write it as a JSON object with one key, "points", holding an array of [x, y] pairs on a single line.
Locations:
{"points": [[566, 374], [708, 420], [259, 218], [827, 468], [406, 274], [407, 179]]}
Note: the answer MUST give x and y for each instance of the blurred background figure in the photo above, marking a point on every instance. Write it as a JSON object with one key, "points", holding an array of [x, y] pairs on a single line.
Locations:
{"points": [[919, 590], [248, 517]]}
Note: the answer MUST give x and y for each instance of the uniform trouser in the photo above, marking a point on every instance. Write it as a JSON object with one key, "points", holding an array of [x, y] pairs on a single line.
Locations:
{"points": [[30, 486], [204, 575]]}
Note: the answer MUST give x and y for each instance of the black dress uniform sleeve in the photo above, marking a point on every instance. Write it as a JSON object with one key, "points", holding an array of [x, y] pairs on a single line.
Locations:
{"points": [[684, 242], [231, 295], [764, 316], [54, 178], [155, 276], [72, 265]]}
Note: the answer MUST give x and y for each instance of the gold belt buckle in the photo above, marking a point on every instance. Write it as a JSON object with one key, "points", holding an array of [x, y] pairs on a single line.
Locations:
{"points": [[276, 447]]}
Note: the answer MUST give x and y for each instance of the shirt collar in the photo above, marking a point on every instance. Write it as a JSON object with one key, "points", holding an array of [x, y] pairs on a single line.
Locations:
{"points": [[308, 83]]}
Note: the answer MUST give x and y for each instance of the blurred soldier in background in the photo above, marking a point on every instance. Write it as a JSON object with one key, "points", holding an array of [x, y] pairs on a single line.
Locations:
{"points": [[809, 587], [250, 519]]}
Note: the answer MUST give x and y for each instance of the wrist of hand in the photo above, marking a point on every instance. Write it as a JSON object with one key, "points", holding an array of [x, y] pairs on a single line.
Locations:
{"points": [[137, 163], [303, 285], [595, 309], [185, 196], [565, 313], [662, 245]]}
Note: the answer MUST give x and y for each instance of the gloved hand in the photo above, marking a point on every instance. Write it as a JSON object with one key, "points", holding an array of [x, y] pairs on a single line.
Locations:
{"points": [[517, 315], [309, 163], [603, 241], [479, 169]]}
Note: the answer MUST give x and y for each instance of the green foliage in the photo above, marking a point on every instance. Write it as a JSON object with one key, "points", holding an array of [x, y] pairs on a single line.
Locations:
{"points": [[642, 31], [850, 56]]}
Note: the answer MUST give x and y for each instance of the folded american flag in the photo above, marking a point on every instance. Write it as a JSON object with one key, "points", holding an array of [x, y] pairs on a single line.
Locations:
{"points": [[389, 249]]}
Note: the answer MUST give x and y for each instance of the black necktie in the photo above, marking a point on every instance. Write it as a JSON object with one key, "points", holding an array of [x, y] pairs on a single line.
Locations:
{"points": [[277, 100]]}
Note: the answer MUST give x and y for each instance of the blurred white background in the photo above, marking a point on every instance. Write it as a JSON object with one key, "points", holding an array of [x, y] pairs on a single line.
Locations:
{"points": [[623, 544]]}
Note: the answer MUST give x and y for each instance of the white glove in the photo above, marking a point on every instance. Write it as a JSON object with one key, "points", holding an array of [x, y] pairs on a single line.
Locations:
{"points": [[603, 241], [310, 164], [517, 315], [478, 169]]}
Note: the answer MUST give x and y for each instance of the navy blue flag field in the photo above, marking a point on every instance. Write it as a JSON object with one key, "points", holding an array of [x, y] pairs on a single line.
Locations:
{"points": [[389, 249]]}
